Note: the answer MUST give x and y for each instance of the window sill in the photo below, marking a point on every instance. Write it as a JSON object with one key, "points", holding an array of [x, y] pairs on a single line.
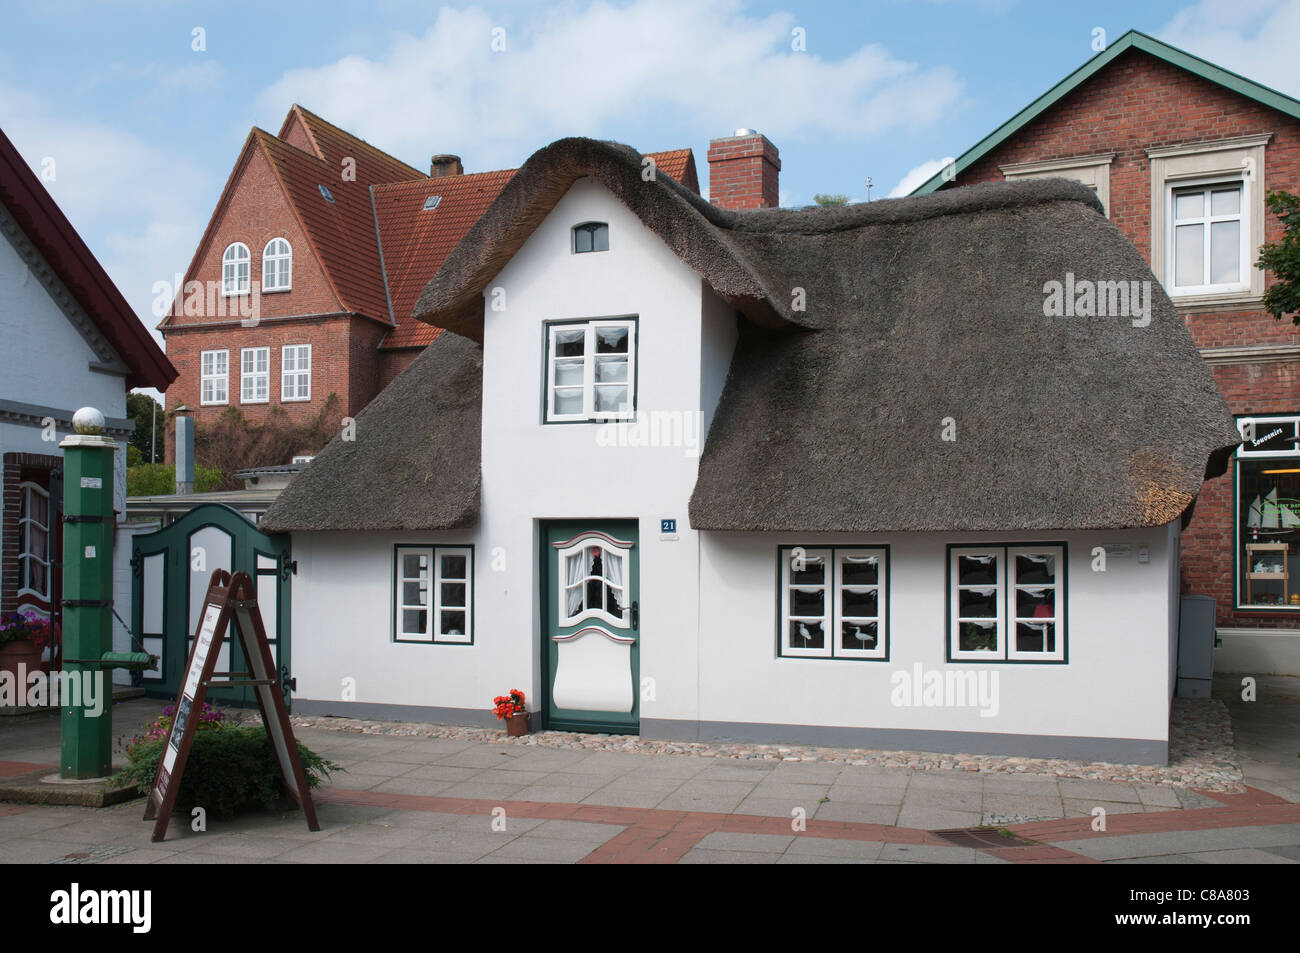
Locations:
{"points": [[1226, 301], [294, 400], [265, 401], [214, 403], [275, 291], [1261, 612]]}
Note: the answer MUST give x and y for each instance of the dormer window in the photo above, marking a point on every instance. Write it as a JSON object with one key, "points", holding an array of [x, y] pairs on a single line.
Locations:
{"points": [[591, 371], [590, 236], [277, 265], [235, 265]]}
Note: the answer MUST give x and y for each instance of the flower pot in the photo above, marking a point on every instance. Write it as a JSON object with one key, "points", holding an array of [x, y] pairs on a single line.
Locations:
{"points": [[13, 654], [517, 725]]}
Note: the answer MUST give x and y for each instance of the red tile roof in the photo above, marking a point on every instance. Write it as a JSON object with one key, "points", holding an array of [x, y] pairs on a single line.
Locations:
{"points": [[415, 240], [376, 243]]}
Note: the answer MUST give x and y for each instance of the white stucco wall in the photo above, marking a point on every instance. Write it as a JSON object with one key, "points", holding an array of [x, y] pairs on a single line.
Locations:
{"points": [[1114, 684], [47, 364]]}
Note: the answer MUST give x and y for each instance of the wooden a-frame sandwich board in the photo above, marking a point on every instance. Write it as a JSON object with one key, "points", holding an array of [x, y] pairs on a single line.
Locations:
{"points": [[227, 597]]}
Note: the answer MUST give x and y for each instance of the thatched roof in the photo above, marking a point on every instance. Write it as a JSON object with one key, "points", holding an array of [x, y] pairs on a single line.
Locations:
{"points": [[915, 311], [413, 462]]}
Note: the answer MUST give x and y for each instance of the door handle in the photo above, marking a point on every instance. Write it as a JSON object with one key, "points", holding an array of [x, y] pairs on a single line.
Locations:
{"points": [[636, 615]]}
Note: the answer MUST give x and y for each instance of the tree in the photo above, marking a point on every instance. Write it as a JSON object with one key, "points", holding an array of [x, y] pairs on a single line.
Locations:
{"points": [[149, 416], [822, 198], [1282, 258]]}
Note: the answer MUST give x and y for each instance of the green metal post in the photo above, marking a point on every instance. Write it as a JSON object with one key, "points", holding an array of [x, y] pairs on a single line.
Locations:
{"points": [[87, 592]]}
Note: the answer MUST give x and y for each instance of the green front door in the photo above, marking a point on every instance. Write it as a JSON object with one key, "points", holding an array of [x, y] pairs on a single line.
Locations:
{"points": [[591, 626]]}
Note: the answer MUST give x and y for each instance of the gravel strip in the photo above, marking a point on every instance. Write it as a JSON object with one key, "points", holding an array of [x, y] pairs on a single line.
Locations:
{"points": [[1201, 749]]}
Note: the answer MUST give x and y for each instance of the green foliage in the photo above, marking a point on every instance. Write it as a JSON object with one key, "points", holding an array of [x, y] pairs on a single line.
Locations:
{"points": [[141, 408], [159, 479], [822, 198], [1282, 258], [230, 768]]}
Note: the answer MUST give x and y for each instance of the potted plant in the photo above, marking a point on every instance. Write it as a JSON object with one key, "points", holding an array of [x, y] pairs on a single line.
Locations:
{"points": [[22, 641], [511, 709]]}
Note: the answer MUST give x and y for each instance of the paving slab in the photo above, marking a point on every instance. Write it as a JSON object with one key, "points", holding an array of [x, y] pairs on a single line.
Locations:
{"points": [[723, 840]]}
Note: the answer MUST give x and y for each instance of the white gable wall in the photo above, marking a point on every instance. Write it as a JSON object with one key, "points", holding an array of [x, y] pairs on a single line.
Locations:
{"points": [[533, 472]]}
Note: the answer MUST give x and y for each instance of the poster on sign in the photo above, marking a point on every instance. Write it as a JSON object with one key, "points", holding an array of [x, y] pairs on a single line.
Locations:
{"points": [[228, 597]]}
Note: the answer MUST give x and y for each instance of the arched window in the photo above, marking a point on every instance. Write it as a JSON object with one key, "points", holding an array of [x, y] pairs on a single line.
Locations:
{"points": [[235, 264], [590, 236], [277, 265]]}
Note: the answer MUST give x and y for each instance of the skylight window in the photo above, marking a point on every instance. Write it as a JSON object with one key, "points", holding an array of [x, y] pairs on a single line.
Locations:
{"points": [[432, 202], [326, 193]]}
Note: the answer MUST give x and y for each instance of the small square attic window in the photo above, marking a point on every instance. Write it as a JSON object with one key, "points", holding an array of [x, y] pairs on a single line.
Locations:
{"points": [[590, 236], [326, 193], [431, 202]]}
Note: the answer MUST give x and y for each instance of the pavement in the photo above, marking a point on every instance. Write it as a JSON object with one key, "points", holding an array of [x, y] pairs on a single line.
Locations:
{"points": [[408, 799]]}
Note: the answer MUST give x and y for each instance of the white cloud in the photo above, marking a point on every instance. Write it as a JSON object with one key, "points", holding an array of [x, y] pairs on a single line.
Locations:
{"points": [[133, 201], [917, 176], [583, 71], [1256, 38]]}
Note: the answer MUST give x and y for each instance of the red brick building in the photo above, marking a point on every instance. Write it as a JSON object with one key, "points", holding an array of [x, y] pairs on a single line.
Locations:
{"points": [[1181, 153], [303, 284]]}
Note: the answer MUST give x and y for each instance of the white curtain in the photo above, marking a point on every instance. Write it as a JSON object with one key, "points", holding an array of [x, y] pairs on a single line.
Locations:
{"points": [[614, 569], [575, 571]]}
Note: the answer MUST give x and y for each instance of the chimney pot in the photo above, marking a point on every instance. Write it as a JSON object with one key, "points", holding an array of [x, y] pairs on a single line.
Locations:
{"points": [[445, 165]]}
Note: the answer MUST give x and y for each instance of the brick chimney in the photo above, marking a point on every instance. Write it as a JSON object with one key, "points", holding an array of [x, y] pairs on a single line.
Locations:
{"points": [[442, 166], [743, 171]]}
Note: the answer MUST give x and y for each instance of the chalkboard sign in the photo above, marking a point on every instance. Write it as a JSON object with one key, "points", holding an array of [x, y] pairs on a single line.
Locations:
{"points": [[228, 596]]}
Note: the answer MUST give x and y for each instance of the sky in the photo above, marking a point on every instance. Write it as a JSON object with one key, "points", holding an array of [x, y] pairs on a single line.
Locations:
{"points": [[136, 111]]}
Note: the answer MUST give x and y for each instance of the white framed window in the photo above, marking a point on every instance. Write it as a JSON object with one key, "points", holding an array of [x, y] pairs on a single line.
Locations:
{"points": [[433, 598], [1006, 603], [236, 265], [1092, 171], [1207, 221], [255, 375], [295, 372], [1207, 238], [593, 580], [214, 377], [277, 265], [591, 371], [34, 540], [834, 602], [590, 236]]}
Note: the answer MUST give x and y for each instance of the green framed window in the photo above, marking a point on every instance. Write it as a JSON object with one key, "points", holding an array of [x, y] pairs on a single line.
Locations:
{"points": [[1007, 603], [433, 594], [833, 602]]}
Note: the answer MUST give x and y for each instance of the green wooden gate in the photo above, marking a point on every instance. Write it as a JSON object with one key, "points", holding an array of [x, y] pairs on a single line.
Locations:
{"points": [[170, 573]]}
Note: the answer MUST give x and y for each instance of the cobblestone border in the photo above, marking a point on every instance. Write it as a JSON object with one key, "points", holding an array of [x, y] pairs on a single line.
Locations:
{"points": [[1202, 755]]}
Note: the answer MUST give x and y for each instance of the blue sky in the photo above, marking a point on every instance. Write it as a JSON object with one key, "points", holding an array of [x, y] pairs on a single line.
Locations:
{"points": [[143, 128]]}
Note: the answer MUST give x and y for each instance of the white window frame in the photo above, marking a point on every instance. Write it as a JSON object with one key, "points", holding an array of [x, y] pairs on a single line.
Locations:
{"points": [[215, 377], [466, 636], [432, 578], [236, 270], [26, 555], [833, 617], [289, 376], [1058, 601], [582, 543], [589, 383], [1205, 221], [998, 652], [1005, 618], [1092, 171], [249, 379], [273, 256], [1240, 159]]}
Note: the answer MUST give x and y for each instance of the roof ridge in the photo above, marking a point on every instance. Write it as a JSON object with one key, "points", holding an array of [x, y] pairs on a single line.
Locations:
{"points": [[410, 183], [355, 138]]}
